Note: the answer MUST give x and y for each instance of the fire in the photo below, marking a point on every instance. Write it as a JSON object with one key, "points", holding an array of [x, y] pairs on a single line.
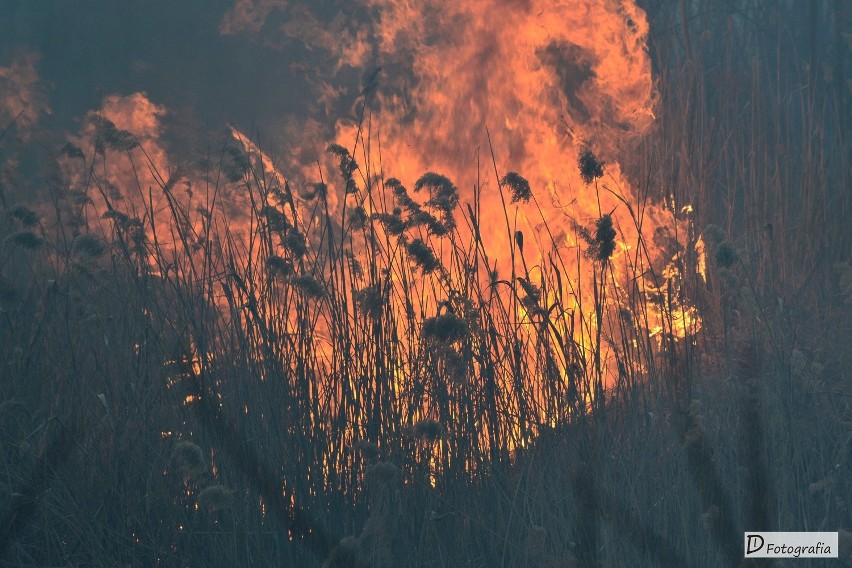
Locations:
{"points": [[545, 79], [475, 91], [548, 81]]}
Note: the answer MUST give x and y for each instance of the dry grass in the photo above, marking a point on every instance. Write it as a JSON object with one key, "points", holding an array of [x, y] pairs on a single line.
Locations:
{"points": [[273, 400]]}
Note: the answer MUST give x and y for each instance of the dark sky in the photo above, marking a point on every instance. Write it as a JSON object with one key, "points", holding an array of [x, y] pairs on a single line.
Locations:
{"points": [[264, 81], [172, 50]]}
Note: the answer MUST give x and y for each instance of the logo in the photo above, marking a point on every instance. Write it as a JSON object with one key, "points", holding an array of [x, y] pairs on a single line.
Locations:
{"points": [[790, 545], [754, 542]]}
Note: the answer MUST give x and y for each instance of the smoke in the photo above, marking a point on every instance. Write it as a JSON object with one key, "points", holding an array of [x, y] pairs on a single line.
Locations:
{"points": [[22, 97], [249, 16], [121, 162], [110, 140], [426, 86], [547, 79]]}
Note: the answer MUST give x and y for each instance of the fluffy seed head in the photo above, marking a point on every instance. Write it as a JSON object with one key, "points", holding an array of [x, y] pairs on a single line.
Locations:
{"points": [[371, 301], [88, 246], [423, 256], [604, 238], [369, 450], [445, 328], [428, 430], [214, 498], [24, 239], [187, 458], [25, 215], [296, 243], [725, 255], [382, 473], [590, 167], [310, 286], [519, 186], [277, 266]]}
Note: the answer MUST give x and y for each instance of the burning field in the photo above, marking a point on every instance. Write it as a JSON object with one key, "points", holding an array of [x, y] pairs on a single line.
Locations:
{"points": [[390, 283]]}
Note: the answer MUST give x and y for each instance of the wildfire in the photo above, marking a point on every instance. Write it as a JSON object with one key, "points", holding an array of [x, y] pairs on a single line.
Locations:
{"points": [[550, 81], [457, 98]]}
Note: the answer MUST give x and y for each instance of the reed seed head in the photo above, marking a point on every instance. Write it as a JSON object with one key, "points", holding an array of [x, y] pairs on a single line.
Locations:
{"points": [[445, 328], [358, 218], [392, 222], [295, 242], [275, 219], [346, 165], [713, 234], [428, 430], [444, 195], [278, 266], [423, 256], [187, 458], [88, 246], [725, 255], [73, 151], [24, 239], [371, 301], [369, 450], [26, 216], [590, 167], [518, 185], [107, 135], [355, 265], [382, 474], [396, 187], [235, 164], [604, 238], [214, 498], [309, 286]]}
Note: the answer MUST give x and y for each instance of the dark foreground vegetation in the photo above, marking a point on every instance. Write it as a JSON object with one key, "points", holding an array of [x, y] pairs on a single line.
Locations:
{"points": [[363, 390]]}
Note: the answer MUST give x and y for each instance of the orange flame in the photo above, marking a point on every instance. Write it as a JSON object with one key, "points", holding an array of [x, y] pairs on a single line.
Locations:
{"points": [[548, 80]]}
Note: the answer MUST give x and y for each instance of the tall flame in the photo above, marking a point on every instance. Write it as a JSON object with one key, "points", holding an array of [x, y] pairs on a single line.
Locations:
{"points": [[449, 85], [545, 80], [548, 81], [472, 90]]}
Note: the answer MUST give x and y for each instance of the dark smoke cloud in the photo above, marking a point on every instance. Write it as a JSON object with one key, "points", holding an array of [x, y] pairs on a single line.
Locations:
{"points": [[182, 54]]}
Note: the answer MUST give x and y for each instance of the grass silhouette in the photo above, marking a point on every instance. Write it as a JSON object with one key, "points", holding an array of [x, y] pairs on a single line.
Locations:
{"points": [[364, 387]]}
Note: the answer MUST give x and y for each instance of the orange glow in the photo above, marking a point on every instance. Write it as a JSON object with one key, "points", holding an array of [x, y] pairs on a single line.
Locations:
{"points": [[22, 100], [531, 85], [547, 80], [701, 253]]}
